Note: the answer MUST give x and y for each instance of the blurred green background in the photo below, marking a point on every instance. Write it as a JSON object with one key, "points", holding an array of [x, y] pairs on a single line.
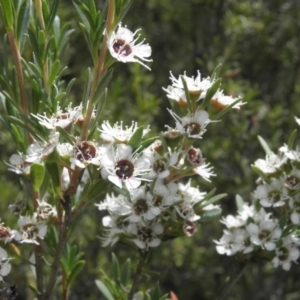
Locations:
{"points": [[258, 44]]}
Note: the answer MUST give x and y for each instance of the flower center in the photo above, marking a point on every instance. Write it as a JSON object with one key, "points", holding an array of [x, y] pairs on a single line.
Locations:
{"points": [[30, 231], [85, 151], [121, 48], [293, 182], [157, 200], [4, 232], [159, 166], [194, 156], [145, 234], [124, 169], [192, 128], [140, 207]]}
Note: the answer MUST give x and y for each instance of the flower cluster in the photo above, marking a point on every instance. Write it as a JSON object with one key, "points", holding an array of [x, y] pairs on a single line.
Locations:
{"points": [[147, 203], [269, 227]]}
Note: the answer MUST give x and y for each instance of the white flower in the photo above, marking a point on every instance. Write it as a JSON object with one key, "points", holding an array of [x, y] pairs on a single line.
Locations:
{"points": [[161, 164], [233, 241], [146, 235], [274, 194], [286, 254], [30, 229], [17, 163], [117, 206], [61, 119], [292, 180], [45, 211], [122, 46], [193, 125], [38, 152], [143, 208], [293, 155], [190, 196], [119, 134], [195, 86], [266, 233], [6, 234], [5, 266], [221, 101], [195, 158], [120, 166], [112, 234], [85, 153], [271, 164]]}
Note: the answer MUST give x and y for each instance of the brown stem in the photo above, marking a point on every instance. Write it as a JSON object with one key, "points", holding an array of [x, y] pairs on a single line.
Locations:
{"points": [[233, 283], [137, 277], [63, 232], [17, 61], [38, 252]]}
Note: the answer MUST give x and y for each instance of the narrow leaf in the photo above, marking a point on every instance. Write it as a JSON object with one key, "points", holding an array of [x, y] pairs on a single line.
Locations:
{"points": [[8, 13], [104, 290], [239, 203], [23, 21], [136, 138], [265, 145], [37, 172], [116, 267], [292, 139]]}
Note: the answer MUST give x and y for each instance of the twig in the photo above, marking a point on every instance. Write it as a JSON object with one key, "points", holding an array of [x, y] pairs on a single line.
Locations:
{"points": [[67, 204], [137, 277], [233, 283]]}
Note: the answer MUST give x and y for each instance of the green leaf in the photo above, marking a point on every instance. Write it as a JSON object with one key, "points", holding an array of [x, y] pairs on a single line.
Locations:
{"points": [[125, 272], [84, 14], [265, 145], [155, 293], [116, 267], [207, 215], [187, 94], [53, 11], [136, 138], [97, 189], [261, 174], [23, 21], [75, 271], [146, 143], [212, 200], [54, 71], [104, 290], [120, 14], [292, 139], [66, 136], [37, 172], [17, 137], [54, 172], [7, 13], [102, 85], [239, 203], [210, 93], [216, 72], [224, 110], [209, 195]]}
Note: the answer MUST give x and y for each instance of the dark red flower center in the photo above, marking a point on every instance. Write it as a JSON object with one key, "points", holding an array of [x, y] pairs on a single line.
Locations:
{"points": [[122, 48], [192, 128], [194, 156], [85, 151], [124, 169]]}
